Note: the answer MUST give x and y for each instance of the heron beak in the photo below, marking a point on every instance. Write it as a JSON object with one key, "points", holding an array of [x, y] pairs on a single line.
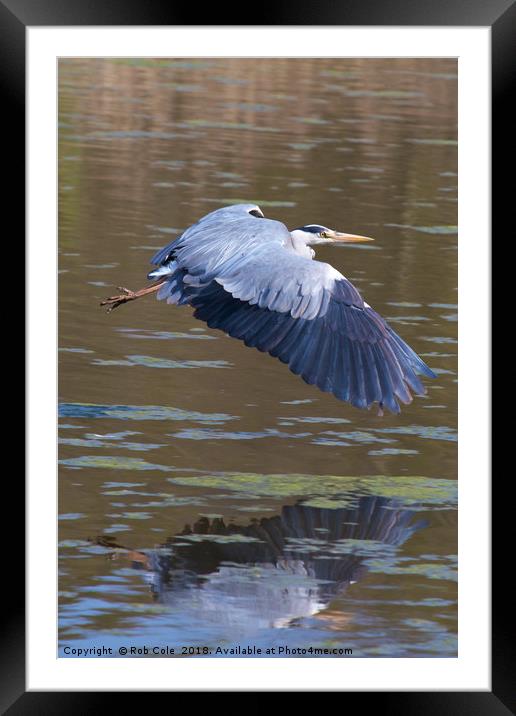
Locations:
{"points": [[347, 238]]}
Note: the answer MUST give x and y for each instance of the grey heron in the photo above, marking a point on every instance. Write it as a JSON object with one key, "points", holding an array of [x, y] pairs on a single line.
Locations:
{"points": [[252, 278]]}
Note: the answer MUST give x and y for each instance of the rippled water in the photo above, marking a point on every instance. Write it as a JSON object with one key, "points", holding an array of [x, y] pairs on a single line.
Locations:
{"points": [[219, 501]]}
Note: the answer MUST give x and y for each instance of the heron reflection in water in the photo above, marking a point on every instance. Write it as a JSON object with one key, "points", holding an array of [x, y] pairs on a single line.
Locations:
{"points": [[252, 278], [243, 579]]}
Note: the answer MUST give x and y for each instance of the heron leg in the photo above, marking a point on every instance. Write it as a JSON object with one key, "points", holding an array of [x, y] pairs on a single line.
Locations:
{"points": [[127, 295]]}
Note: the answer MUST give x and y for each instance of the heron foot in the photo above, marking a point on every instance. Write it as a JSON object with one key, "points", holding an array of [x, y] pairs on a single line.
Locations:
{"points": [[127, 295], [114, 301]]}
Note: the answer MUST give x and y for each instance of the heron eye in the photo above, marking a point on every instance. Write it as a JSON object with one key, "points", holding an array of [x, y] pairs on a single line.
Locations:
{"points": [[323, 235]]}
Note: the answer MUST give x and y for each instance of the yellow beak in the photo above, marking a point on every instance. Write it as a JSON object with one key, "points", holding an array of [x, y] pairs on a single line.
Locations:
{"points": [[347, 238]]}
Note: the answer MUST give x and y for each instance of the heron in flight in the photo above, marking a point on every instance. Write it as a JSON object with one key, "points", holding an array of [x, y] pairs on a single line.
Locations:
{"points": [[252, 278]]}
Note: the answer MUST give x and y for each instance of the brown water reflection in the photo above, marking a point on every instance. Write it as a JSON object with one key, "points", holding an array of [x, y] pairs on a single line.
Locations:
{"points": [[158, 413]]}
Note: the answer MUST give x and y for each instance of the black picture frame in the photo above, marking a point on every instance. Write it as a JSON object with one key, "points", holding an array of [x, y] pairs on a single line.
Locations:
{"points": [[500, 16]]}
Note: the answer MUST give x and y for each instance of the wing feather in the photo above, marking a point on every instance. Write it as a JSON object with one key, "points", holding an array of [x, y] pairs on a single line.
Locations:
{"points": [[242, 276]]}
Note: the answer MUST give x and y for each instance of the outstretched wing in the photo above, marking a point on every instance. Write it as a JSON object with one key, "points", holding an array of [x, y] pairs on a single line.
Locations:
{"points": [[242, 276]]}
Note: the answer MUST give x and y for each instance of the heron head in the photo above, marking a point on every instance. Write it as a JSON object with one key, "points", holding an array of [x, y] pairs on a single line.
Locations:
{"points": [[313, 234]]}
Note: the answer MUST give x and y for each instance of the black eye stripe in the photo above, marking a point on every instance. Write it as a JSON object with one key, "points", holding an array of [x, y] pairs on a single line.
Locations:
{"points": [[313, 228], [258, 214]]}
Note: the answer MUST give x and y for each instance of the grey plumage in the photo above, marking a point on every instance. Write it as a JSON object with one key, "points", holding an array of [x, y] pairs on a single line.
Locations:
{"points": [[256, 281]]}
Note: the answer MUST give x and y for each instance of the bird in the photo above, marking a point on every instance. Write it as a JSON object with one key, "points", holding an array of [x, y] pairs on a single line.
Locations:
{"points": [[253, 279]]}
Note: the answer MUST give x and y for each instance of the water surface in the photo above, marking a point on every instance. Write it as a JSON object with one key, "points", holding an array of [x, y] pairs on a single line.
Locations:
{"points": [[207, 496]]}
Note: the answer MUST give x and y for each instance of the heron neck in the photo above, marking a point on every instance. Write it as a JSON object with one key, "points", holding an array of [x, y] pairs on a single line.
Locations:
{"points": [[300, 246]]}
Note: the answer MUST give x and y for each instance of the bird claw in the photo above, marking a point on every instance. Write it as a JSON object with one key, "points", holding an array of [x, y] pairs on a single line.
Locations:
{"points": [[114, 301]]}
